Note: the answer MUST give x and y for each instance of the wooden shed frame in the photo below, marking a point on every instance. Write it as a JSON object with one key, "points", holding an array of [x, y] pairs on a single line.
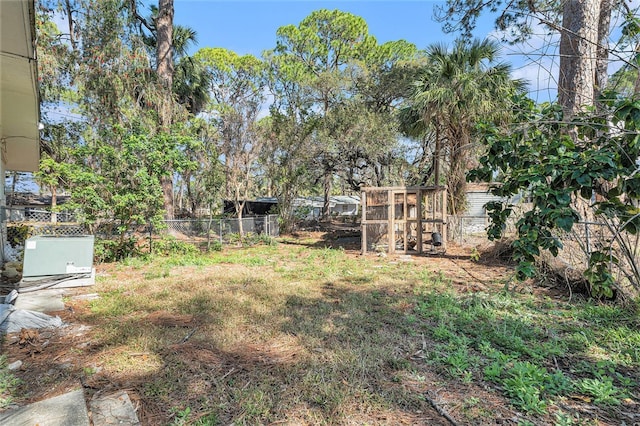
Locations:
{"points": [[408, 220]]}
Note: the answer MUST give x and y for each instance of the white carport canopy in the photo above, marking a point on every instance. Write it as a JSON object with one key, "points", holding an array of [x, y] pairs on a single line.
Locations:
{"points": [[19, 106]]}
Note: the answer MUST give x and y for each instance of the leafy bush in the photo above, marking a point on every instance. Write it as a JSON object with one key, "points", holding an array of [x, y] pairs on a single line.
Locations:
{"points": [[169, 245], [215, 246], [115, 250], [17, 234], [556, 163]]}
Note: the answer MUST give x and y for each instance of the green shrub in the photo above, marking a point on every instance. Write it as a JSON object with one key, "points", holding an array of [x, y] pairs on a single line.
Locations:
{"points": [[169, 245], [17, 234], [215, 246], [250, 239], [115, 250]]}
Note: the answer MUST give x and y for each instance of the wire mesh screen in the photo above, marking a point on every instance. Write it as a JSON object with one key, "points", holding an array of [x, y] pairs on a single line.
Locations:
{"points": [[377, 205], [22, 224], [224, 230], [29, 214], [377, 237], [467, 229], [60, 230]]}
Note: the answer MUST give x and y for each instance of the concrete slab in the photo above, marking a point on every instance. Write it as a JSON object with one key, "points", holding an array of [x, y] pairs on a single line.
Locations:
{"points": [[41, 301], [68, 409], [88, 296], [78, 282], [113, 409], [57, 282]]}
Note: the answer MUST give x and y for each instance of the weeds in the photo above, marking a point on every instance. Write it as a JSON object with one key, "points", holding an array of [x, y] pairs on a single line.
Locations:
{"points": [[181, 416], [601, 389], [251, 239], [509, 340], [284, 333], [169, 245], [8, 384]]}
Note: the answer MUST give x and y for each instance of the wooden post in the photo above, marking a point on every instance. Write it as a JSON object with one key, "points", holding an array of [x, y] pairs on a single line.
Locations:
{"points": [[405, 217], [363, 221], [266, 226], [444, 219], [419, 221], [391, 217]]}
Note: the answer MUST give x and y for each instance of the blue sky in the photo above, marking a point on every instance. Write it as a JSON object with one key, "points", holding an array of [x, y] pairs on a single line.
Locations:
{"points": [[249, 27]]}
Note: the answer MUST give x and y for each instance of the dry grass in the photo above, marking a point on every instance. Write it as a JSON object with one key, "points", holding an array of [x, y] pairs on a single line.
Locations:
{"points": [[288, 334]]}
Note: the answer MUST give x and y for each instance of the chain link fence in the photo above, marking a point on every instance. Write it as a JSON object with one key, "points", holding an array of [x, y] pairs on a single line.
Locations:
{"points": [[24, 222], [29, 214], [588, 237], [224, 230], [467, 230], [585, 238], [472, 230]]}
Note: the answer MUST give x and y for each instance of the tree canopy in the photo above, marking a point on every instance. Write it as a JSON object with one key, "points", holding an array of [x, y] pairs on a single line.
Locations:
{"points": [[131, 116]]}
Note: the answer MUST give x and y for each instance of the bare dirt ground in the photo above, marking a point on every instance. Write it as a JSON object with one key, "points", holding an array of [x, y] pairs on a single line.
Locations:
{"points": [[456, 263]]}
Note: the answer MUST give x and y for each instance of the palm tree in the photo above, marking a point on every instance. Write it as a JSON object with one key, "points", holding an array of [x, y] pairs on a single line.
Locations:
{"points": [[191, 81], [191, 84], [458, 88]]}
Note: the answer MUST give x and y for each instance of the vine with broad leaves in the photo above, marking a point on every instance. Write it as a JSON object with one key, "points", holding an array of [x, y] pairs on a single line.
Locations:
{"points": [[592, 160]]}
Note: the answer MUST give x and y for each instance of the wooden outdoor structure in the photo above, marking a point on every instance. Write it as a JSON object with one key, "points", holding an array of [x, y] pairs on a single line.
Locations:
{"points": [[404, 219]]}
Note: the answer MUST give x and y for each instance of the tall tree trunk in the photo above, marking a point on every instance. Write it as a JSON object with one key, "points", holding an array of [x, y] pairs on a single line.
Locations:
{"points": [[602, 49], [327, 187], [164, 50], [227, 178], [54, 204], [239, 206], [191, 201], [456, 176], [636, 87], [70, 22], [436, 158], [578, 45]]}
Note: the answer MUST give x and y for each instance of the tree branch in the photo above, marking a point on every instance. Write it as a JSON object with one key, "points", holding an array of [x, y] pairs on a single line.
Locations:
{"points": [[141, 19]]}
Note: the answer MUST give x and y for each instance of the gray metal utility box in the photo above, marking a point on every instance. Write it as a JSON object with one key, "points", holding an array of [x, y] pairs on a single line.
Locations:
{"points": [[46, 255]]}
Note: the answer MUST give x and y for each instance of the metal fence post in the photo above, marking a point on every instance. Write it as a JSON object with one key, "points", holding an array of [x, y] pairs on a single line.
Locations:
{"points": [[150, 237], [588, 240]]}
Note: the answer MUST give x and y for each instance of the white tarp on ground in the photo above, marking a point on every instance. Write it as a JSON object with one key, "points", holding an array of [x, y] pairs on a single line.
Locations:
{"points": [[13, 320]]}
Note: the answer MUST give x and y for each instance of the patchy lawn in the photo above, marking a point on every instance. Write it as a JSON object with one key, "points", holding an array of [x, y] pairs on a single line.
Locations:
{"points": [[306, 332]]}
